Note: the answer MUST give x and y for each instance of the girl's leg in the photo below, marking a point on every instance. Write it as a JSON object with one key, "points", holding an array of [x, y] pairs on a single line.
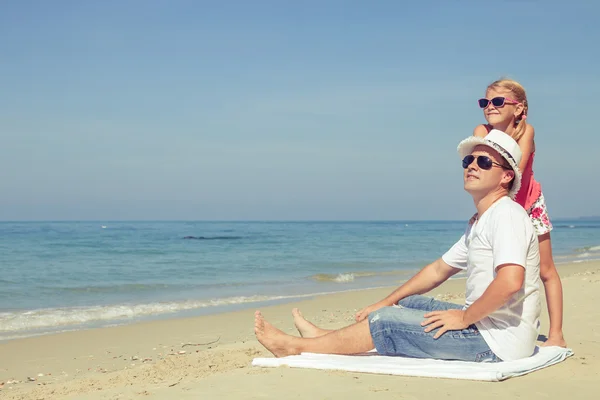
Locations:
{"points": [[554, 292], [552, 285]]}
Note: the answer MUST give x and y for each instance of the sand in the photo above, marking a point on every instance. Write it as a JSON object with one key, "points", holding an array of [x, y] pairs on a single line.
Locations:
{"points": [[210, 357]]}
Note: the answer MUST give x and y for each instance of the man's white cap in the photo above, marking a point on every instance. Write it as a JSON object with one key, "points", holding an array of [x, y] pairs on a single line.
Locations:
{"points": [[503, 144]]}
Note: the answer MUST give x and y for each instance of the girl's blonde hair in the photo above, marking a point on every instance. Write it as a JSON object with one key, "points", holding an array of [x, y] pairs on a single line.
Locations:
{"points": [[518, 95]]}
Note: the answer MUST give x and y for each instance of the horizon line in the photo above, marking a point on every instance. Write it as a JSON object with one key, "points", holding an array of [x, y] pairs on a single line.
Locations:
{"points": [[264, 220]]}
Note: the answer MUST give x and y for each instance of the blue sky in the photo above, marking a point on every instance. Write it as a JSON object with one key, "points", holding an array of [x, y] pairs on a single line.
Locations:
{"points": [[276, 110]]}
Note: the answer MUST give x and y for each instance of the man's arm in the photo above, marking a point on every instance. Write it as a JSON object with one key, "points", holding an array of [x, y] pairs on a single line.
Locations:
{"points": [[425, 280], [509, 280]]}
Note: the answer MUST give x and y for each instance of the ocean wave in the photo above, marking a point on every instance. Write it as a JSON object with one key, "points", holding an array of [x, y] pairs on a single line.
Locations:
{"points": [[333, 278], [585, 260], [150, 287], [587, 249], [68, 316], [72, 317], [341, 278], [213, 237], [575, 226], [579, 259], [119, 288]]}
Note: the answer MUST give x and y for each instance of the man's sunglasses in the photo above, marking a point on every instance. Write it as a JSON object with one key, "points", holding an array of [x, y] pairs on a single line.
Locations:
{"points": [[496, 102], [484, 162]]}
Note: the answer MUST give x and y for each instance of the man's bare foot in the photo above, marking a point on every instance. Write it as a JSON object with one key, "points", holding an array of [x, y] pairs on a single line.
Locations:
{"points": [[306, 329], [273, 339]]}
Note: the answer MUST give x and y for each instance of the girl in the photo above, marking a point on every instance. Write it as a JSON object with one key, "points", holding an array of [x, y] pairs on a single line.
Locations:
{"points": [[505, 108]]}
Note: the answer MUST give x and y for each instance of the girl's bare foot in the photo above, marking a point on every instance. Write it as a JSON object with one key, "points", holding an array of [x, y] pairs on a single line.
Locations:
{"points": [[555, 341], [306, 329], [273, 339]]}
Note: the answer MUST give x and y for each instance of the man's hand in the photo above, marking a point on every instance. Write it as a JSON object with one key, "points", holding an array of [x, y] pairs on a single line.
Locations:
{"points": [[450, 320], [364, 313]]}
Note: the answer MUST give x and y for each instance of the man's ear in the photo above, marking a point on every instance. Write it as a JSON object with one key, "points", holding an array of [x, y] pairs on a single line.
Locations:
{"points": [[508, 176]]}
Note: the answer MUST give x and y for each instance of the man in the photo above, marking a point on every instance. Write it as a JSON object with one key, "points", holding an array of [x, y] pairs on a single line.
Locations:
{"points": [[500, 254]]}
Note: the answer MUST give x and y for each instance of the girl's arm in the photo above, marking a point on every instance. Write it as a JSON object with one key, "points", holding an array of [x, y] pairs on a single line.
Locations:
{"points": [[527, 146], [480, 131]]}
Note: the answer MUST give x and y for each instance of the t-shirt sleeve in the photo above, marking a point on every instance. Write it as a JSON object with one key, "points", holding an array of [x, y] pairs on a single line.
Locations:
{"points": [[456, 257], [509, 237]]}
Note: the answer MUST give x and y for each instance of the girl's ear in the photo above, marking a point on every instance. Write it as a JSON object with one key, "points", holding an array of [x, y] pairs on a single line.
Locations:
{"points": [[519, 109]]}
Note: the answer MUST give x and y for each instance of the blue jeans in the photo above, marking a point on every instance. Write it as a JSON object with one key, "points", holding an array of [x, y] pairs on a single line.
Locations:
{"points": [[397, 331]]}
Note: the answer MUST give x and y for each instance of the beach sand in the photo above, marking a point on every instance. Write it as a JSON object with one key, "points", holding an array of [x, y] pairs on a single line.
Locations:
{"points": [[210, 357]]}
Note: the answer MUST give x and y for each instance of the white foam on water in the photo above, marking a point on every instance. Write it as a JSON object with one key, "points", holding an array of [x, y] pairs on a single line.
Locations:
{"points": [[34, 322], [344, 278], [66, 316]]}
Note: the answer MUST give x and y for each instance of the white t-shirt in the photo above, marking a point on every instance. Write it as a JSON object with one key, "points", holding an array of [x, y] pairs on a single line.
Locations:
{"points": [[504, 234]]}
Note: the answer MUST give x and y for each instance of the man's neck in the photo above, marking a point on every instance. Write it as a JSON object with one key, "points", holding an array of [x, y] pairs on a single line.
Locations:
{"points": [[482, 204]]}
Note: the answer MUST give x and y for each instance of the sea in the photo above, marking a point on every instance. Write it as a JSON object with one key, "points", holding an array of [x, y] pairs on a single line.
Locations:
{"points": [[61, 276]]}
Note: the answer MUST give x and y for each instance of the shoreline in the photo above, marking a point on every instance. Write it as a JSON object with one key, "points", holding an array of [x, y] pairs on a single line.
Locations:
{"points": [[136, 312], [216, 306], [195, 313], [177, 357]]}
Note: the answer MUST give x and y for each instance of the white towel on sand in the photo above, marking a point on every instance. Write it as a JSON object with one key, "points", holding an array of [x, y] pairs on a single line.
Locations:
{"points": [[376, 364]]}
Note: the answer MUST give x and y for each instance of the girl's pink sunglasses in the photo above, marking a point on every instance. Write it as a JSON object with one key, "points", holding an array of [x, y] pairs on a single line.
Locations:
{"points": [[496, 102]]}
